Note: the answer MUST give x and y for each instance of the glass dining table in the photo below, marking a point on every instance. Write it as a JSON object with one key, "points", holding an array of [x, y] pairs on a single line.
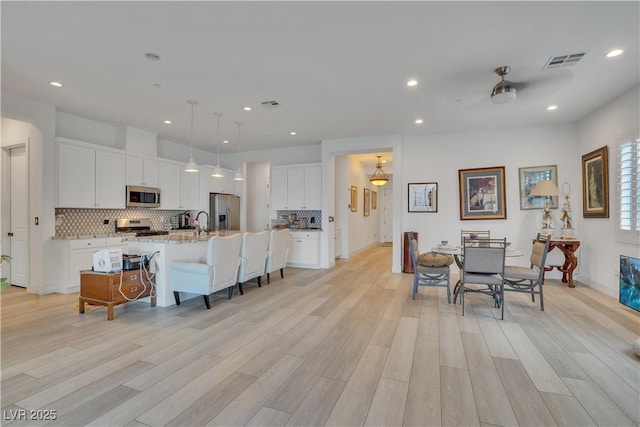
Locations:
{"points": [[458, 257]]}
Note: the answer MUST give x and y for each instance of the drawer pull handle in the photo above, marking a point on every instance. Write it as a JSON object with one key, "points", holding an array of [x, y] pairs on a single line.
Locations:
{"points": [[134, 289], [133, 277]]}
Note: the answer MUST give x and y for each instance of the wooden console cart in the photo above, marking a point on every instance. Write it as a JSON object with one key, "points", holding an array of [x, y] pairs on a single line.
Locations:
{"points": [[104, 289]]}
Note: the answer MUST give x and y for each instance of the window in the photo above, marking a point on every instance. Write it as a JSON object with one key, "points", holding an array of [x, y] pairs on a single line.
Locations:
{"points": [[629, 190]]}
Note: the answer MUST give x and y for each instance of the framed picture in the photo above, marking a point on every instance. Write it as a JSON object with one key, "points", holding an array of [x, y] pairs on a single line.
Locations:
{"points": [[595, 184], [529, 177], [374, 199], [423, 197], [367, 205], [354, 198], [482, 193]]}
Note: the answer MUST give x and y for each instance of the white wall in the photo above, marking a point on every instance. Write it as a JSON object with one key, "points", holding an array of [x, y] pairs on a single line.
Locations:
{"points": [[363, 230], [599, 249], [42, 182], [257, 197], [437, 158]]}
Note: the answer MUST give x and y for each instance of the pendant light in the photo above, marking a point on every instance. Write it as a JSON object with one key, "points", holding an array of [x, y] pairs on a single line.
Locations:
{"points": [[238, 176], [191, 164], [379, 178], [217, 171]]}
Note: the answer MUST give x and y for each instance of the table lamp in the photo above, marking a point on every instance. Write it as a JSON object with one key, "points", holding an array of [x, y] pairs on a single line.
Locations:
{"points": [[546, 189]]}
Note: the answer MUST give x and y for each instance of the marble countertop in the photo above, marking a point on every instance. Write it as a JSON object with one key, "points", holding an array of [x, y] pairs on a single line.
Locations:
{"points": [[92, 236], [176, 238]]}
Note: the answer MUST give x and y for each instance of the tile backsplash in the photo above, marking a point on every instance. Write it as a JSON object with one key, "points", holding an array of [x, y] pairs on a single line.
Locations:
{"points": [[316, 215], [71, 222]]}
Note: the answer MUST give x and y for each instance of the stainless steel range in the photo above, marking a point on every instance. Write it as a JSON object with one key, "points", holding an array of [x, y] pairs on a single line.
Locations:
{"points": [[140, 226]]}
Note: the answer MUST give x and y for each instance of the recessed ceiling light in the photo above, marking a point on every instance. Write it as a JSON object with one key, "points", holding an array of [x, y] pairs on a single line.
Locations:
{"points": [[552, 107], [167, 122], [247, 108], [292, 133], [56, 84], [614, 53], [152, 56], [412, 83], [419, 121], [225, 141], [384, 161]]}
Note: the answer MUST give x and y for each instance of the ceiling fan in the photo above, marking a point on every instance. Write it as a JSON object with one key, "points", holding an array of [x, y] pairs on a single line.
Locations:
{"points": [[504, 91]]}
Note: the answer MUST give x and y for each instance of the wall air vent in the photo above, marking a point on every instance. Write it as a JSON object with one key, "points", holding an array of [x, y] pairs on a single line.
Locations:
{"points": [[563, 60], [270, 104]]}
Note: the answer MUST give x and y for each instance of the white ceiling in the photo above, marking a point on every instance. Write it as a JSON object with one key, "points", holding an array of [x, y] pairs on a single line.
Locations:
{"points": [[338, 69]]}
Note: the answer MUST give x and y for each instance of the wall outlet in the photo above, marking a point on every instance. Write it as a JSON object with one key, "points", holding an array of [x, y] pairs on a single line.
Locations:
{"points": [[105, 221]]}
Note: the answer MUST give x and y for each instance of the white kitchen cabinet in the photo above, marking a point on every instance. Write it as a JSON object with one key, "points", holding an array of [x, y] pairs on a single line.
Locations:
{"points": [[296, 188], [224, 184], [279, 189], [76, 176], [189, 190], [312, 188], [178, 189], [73, 256], [304, 249], [142, 171], [169, 184], [90, 178], [110, 182]]}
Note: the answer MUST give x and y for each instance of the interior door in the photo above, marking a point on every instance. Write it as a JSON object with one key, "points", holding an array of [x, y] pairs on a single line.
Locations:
{"points": [[19, 218]]}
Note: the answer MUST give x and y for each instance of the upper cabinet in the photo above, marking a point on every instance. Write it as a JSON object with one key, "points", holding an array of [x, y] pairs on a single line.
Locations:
{"points": [[178, 189], [169, 184], [296, 187], [189, 190], [142, 171], [90, 178]]}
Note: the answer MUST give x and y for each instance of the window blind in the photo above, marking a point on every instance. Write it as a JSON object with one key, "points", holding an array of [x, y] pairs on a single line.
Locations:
{"points": [[628, 185]]}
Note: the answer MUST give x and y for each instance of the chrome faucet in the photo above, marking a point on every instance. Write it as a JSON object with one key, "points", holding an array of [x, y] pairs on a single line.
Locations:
{"points": [[198, 216]]}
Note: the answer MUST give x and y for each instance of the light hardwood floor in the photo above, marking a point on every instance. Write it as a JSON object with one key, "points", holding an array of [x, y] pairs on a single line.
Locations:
{"points": [[340, 347]]}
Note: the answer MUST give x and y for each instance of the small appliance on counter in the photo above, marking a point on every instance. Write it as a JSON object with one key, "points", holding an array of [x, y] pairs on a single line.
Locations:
{"points": [[107, 260], [302, 223], [133, 262]]}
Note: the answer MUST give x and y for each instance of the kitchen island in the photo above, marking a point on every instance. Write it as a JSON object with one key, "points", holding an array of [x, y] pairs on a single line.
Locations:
{"points": [[167, 248]]}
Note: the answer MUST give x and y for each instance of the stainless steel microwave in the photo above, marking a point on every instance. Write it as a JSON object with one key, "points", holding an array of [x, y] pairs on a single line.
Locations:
{"points": [[143, 197]]}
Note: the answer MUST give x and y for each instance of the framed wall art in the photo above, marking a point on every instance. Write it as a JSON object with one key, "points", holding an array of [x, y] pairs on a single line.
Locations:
{"points": [[529, 177], [482, 193], [595, 184], [374, 199], [367, 205], [354, 199], [423, 197]]}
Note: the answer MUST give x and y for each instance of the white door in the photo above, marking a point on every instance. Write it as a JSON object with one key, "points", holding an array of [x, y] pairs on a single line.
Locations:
{"points": [[387, 213], [19, 218]]}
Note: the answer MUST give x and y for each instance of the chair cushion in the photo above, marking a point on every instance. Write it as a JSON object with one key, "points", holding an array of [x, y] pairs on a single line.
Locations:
{"points": [[423, 269], [515, 272], [434, 259]]}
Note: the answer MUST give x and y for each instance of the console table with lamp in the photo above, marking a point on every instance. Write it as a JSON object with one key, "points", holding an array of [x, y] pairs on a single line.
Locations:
{"points": [[568, 244]]}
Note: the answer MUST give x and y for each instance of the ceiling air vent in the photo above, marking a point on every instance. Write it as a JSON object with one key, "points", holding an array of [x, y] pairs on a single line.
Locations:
{"points": [[270, 104], [563, 60]]}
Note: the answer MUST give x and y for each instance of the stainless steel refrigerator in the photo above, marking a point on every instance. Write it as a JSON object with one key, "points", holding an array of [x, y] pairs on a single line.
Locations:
{"points": [[224, 211]]}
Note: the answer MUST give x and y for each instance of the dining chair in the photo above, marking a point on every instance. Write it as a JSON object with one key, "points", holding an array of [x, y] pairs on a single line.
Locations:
{"points": [[278, 250], [428, 275], [473, 234], [483, 265], [255, 248], [529, 280], [218, 271]]}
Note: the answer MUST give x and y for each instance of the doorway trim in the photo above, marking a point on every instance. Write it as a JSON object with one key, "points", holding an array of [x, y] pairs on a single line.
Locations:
{"points": [[343, 147]]}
